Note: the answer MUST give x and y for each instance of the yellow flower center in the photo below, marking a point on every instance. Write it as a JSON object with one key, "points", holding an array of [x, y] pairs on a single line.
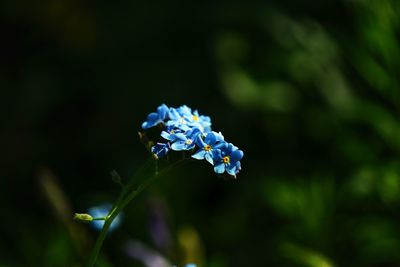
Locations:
{"points": [[226, 159], [195, 118], [188, 142], [207, 148]]}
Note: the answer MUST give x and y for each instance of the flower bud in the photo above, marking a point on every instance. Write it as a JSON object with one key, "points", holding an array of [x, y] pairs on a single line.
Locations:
{"points": [[83, 217]]}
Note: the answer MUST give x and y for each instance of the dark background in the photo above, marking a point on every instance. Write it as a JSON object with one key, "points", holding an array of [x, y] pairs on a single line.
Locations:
{"points": [[309, 90]]}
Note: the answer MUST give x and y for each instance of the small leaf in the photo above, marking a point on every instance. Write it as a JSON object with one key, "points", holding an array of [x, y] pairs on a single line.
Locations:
{"points": [[116, 178]]}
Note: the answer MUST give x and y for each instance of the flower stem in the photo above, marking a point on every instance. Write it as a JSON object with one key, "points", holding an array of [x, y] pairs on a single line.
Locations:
{"points": [[117, 208], [123, 200], [99, 242]]}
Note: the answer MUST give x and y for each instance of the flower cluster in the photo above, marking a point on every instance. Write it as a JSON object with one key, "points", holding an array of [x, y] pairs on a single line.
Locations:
{"points": [[186, 130]]}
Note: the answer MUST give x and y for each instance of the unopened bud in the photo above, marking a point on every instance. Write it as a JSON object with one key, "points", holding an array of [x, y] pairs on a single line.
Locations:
{"points": [[115, 177], [83, 217]]}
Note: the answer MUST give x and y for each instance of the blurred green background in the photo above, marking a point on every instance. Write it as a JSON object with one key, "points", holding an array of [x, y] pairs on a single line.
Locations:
{"points": [[309, 90]]}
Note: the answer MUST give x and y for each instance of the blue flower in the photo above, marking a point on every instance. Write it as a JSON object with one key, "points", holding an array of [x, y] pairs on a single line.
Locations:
{"points": [[102, 211], [184, 110], [170, 133], [186, 129], [184, 119], [228, 159], [194, 119], [160, 149], [155, 118], [200, 121], [178, 119], [185, 141], [205, 121], [209, 146]]}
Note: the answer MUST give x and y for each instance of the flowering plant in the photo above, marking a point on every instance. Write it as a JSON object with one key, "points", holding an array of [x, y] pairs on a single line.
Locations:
{"points": [[181, 130], [184, 129]]}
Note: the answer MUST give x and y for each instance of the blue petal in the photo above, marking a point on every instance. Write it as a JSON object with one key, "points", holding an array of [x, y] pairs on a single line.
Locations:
{"points": [[220, 168], [173, 114], [232, 147], [231, 169], [191, 146], [194, 132], [205, 119], [216, 154], [178, 146], [145, 125], [210, 138], [200, 142], [209, 158], [238, 166], [165, 135], [184, 110], [219, 136], [199, 154], [181, 136], [222, 145], [236, 155], [152, 117], [206, 129], [177, 124], [151, 120], [183, 127], [162, 111]]}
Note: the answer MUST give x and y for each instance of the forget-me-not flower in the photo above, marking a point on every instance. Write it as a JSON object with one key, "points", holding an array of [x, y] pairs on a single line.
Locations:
{"points": [[209, 146], [155, 118], [228, 159], [170, 132], [160, 149], [177, 120], [200, 121], [185, 141], [185, 129]]}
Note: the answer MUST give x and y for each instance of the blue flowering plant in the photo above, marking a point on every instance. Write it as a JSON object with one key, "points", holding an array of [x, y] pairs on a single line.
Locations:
{"points": [[187, 130], [177, 130]]}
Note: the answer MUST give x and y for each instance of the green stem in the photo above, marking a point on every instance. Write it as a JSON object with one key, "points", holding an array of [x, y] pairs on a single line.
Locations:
{"points": [[130, 183], [121, 203], [116, 209], [109, 219], [99, 242]]}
